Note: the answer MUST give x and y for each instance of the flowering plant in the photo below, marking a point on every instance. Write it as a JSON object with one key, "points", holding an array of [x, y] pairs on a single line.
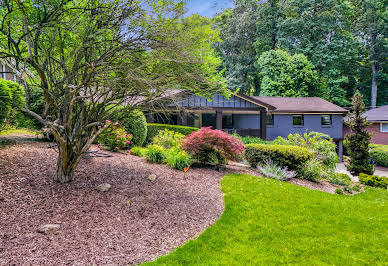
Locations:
{"points": [[212, 146], [115, 137]]}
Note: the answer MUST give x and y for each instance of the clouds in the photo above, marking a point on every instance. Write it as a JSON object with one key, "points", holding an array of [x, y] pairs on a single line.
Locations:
{"points": [[207, 8]]}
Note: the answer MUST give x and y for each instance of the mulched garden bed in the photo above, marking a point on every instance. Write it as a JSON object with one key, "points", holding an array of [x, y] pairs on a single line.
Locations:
{"points": [[97, 227]]}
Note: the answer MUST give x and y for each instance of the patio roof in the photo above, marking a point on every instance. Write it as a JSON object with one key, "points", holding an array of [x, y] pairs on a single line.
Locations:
{"points": [[377, 114]]}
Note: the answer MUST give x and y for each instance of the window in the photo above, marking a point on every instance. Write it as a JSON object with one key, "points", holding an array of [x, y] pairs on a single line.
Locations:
{"points": [[227, 121], [297, 120], [326, 120], [3, 74], [384, 127], [270, 120]]}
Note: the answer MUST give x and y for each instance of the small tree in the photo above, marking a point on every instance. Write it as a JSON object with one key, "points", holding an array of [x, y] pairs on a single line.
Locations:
{"points": [[358, 140]]}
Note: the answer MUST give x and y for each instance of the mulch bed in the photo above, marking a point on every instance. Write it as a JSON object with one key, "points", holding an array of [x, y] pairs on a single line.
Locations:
{"points": [[97, 227]]}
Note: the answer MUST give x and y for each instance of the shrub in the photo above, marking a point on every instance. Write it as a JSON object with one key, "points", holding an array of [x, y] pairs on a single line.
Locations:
{"points": [[178, 159], [153, 130], [212, 146], [155, 154], [339, 191], [379, 154], [313, 170], [339, 179], [271, 170], [5, 101], [373, 180], [135, 124], [251, 140], [320, 144], [139, 151], [115, 138], [292, 157], [169, 139]]}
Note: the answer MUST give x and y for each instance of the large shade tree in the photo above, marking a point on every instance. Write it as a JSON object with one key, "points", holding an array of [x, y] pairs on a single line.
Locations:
{"points": [[89, 56]]}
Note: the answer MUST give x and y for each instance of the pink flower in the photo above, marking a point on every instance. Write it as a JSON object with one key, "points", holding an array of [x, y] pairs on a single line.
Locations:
{"points": [[116, 123], [99, 145], [108, 121], [127, 142], [128, 151], [118, 140], [118, 136], [116, 148], [99, 126]]}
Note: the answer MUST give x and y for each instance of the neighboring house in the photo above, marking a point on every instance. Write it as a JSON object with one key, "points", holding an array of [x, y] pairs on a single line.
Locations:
{"points": [[6, 71], [378, 117], [264, 117]]}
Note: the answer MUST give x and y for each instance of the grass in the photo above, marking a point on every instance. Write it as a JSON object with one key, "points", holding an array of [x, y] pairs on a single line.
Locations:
{"points": [[272, 222], [12, 131], [7, 135]]}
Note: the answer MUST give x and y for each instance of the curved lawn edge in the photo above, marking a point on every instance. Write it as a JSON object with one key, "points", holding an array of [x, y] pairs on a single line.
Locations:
{"points": [[271, 222]]}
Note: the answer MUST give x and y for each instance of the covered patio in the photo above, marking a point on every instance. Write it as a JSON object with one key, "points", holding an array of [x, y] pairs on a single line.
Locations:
{"points": [[238, 114]]}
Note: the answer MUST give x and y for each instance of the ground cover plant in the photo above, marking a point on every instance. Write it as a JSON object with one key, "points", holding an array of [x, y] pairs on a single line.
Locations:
{"points": [[270, 222]]}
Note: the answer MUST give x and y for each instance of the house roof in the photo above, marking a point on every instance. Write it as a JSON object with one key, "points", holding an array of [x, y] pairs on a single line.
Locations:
{"points": [[377, 114], [300, 105]]}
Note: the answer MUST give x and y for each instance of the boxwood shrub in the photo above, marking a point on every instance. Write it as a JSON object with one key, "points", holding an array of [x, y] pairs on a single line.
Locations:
{"points": [[374, 180], [379, 154], [153, 130], [293, 157]]}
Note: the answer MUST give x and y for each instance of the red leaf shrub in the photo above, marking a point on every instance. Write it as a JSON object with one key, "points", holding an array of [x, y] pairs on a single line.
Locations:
{"points": [[212, 146]]}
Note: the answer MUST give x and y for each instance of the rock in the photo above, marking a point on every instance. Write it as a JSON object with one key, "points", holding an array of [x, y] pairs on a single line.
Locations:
{"points": [[104, 187], [48, 228], [152, 177]]}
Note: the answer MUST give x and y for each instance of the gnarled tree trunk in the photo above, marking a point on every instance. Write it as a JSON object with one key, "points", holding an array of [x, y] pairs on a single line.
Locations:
{"points": [[66, 164]]}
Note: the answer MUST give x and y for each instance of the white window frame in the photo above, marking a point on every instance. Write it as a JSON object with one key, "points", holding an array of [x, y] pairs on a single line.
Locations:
{"points": [[381, 127]]}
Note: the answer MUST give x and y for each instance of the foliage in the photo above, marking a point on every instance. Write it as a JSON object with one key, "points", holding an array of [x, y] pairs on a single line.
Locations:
{"points": [[153, 130], [269, 222], [321, 144], [379, 154], [359, 138], [313, 170], [374, 180], [155, 154], [339, 191], [271, 170], [115, 137], [134, 122], [139, 151], [250, 140], [292, 157], [169, 139], [212, 146], [339, 179], [178, 159], [5, 101], [286, 75]]}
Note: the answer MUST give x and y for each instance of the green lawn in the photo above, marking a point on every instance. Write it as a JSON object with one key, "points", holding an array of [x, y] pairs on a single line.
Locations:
{"points": [[272, 222]]}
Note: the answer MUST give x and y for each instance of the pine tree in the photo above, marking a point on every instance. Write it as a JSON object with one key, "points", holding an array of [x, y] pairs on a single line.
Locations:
{"points": [[358, 140]]}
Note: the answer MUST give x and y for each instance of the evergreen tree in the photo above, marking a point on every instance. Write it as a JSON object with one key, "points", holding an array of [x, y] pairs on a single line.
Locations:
{"points": [[358, 147]]}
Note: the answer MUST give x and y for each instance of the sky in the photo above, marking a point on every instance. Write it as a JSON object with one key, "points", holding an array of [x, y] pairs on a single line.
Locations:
{"points": [[207, 8]]}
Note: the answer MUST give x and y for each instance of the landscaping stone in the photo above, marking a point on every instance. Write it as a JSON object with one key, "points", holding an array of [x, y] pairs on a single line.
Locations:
{"points": [[104, 187], [48, 228], [152, 177]]}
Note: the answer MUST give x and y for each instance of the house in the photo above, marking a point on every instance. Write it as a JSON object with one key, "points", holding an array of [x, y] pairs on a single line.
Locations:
{"points": [[378, 117], [6, 72], [264, 117]]}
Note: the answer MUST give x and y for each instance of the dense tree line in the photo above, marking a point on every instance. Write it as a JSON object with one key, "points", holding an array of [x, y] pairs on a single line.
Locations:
{"points": [[344, 43]]}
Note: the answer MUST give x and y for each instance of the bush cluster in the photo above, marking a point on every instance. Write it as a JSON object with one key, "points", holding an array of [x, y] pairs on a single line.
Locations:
{"points": [[115, 137], [271, 170], [373, 180], [292, 157], [339, 179], [379, 154], [138, 151], [153, 130], [169, 139], [178, 159], [212, 146], [155, 154]]}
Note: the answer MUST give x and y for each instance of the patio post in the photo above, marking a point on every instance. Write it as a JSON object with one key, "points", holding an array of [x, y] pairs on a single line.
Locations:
{"points": [[183, 115], [219, 120], [263, 124]]}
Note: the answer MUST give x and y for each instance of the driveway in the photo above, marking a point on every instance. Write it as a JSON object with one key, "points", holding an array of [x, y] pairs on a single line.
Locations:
{"points": [[380, 171]]}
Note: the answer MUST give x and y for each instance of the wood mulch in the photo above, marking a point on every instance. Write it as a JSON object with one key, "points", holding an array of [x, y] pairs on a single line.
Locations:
{"points": [[98, 228]]}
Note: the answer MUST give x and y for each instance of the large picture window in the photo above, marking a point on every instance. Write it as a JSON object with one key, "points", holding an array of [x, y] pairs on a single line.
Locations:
{"points": [[384, 127], [326, 120], [297, 120]]}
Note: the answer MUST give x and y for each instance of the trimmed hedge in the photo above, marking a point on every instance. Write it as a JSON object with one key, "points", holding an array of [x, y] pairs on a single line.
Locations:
{"points": [[379, 154], [374, 180], [153, 130], [292, 157]]}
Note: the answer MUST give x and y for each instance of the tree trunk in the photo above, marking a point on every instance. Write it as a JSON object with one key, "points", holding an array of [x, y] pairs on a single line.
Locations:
{"points": [[374, 84], [66, 164]]}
